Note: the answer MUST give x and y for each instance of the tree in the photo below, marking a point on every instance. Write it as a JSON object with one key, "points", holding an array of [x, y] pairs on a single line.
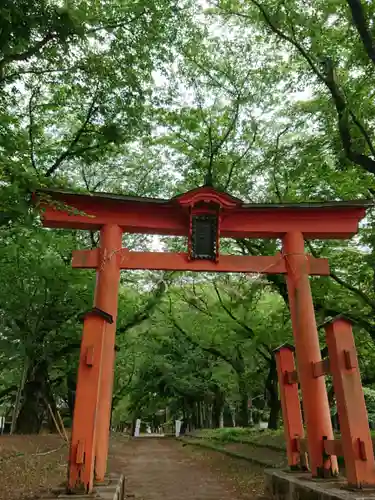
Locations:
{"points": [[335, 45], [271, 102], [74, 87]]}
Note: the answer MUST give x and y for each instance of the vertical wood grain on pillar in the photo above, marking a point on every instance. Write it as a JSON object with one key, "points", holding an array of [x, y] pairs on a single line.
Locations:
{"points": [[106, 298], [314, 393], [355, 432], [290, 405], [82, 447]]}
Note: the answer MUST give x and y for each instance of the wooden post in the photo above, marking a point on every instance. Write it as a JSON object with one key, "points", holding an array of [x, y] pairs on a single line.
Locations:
{"points": [[314, 393], [106, 298], [82, 447], [290, 405], [355, 432]]}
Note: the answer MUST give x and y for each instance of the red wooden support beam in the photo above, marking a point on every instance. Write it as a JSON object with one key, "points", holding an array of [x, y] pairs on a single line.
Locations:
{"points": [[165, 261], [290, 405], [314, 392], [356, 437], [82, 447]]}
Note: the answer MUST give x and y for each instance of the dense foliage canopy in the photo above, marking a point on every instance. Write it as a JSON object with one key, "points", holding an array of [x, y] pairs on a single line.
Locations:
{"points": [[268, 100]]}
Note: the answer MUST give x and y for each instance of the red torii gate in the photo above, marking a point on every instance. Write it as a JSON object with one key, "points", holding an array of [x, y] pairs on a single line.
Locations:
{"points": [[203, 215]]}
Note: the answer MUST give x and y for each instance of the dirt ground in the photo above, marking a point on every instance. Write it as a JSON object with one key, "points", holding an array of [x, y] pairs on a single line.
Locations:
{"points": [[31, 466], [165, 469], [156, 469]]}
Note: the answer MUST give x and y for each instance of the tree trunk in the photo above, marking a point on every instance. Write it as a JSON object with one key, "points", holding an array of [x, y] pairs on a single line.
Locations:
{"points": [[18, 397], [35, 395], [273, 420], [71, 391], [233, 415], [199, 415], [221, 419], [218, 408], [194, 416], [243, 413], [206, 415], [210, 415], [273, 395]]}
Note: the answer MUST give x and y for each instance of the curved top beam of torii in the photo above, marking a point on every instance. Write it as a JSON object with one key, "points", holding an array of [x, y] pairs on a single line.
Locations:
{"points": [[91, 211]]}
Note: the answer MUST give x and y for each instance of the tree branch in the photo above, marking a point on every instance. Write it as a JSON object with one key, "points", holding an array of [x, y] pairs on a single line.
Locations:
{"points": [[204, 70], [194, 304], [238, 160], [145, 313], [114, 24], [274, 162], [117, 396], [361, 24], [211, 350], [23, 56], [249, 330], [343, 283], [6, 392], [183, 139], [230, 128], [283, 36], [31, 126], [363, 131], [40, 72], [76, 138]]}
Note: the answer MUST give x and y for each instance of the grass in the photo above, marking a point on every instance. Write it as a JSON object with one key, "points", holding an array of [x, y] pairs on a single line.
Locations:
{"points": [[273, 440], [233, 454], [267, 438]]}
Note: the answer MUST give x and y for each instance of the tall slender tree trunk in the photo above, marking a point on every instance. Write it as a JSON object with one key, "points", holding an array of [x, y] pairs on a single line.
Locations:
{"points": [[200, 414], [71, 391], [243, 413], [233, 415], [273, 419], [273, 395], [210, 416], [221, 421], [218, 408]]}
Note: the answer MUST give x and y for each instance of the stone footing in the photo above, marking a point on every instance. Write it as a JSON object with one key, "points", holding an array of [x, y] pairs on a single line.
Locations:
{"points": [[112, 489], [285, 485]]}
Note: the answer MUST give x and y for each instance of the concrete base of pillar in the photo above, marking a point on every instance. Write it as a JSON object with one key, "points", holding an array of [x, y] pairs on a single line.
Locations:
{"points": [[113, 488], [285, 485]]}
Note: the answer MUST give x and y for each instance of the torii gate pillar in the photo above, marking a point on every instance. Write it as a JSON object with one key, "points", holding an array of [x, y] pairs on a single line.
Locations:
{"points": [[106, 298], [92, 414], [314, 392]]}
